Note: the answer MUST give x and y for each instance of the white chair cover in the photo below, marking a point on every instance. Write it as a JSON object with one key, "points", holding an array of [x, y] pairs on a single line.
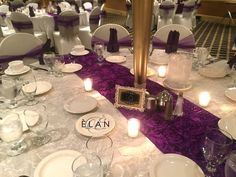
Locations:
{"points": [[88, 6], [64, 6], [4, 8], [67, 37], [34, 5], [166, 11], [186, 38], [22, 23]]}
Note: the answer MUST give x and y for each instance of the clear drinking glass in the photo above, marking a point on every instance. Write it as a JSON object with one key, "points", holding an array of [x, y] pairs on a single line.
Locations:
{"points": [[217, 145], [10, 90], [230, 165], [99, 48], [102, 147], [38, 128], [49, 60], [87, 165], [29, 87], [11, 131], [58, 65], [202, 54], [233, 76]]}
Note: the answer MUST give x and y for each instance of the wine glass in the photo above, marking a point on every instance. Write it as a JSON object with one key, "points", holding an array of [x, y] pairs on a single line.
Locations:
{"points": [[216, 146], [233, 75], [103, 147], [11, 131], [230, 165], [38, 127], [10, 90], [58, 65], [49, 60], [99, 49], [29, 87], [87, 165], [202, 54]]}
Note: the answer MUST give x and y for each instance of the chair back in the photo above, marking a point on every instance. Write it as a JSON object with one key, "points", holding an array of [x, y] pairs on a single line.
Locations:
{"points": [[11, 50], [64, 6], [68, 24], [34, 5], [188, 9], [101, 34], [167, 9], [186, 38], [21, 22], [4, 8], [94, 18], [88, 6]]}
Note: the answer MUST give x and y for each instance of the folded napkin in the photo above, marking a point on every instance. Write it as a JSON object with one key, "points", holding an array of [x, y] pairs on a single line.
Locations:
{"points": [[113, 45], [172, 42], [77, 8], [58, 10], [46, 48], [31, 11]]}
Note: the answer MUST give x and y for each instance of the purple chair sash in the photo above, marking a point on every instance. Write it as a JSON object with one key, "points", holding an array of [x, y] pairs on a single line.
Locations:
{"points": [[22, 25], [3, 15], [67, 21], [185, 43], [94, 19], [188, 8], [32, 53], [125, 41], [166, 7]]}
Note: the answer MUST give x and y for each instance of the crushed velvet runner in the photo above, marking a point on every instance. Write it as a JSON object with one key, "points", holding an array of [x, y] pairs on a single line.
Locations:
{"points": [[184, 135]]}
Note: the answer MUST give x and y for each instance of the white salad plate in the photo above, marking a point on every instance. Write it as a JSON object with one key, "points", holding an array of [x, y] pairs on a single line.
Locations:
{"points": [[82, 53], [80, 104], [172, 87], [231, 93], [71, 68], [58, 164], [10, 72], [173, 165], [228, 125], [116, 59], [42, 87], [95, 124], [150, 72]]}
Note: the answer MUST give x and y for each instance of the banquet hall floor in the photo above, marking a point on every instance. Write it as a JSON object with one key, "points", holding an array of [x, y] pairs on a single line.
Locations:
{"points": [[218, 37]]}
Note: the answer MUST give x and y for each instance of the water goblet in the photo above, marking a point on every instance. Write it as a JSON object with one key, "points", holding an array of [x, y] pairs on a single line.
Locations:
{"points": [[102, 147], [11, 131], [99, 49], [202, 54], [39, 127], [29, 87], [230, 165], [87, 165], [217, 145], [49, 60], [10, 90], [58, 65]]}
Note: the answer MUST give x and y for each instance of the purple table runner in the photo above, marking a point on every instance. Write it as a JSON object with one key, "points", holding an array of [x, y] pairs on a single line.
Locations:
{"points": [[183, 135]]}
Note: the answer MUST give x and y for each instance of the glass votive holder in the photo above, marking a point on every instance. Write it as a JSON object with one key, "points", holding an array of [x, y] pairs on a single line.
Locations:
{"points": [[88, 85], [133, 127], [204, 99]]}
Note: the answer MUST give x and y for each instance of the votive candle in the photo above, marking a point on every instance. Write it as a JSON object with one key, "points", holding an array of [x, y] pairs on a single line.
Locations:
{"points": [[204, 99], [88, 84], [162, 71], [133, 127]]}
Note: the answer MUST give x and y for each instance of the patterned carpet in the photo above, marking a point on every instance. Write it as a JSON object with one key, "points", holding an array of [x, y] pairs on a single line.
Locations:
{"points": [[218, 37]]}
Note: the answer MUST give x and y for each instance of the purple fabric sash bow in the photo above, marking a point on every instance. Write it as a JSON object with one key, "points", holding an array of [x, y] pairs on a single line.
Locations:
{"points": [[185, 43], [67, 21], [32, 53], [22, 25], [166, 7], [125, 41], [188, 8], [3, 15], [94, 19]]}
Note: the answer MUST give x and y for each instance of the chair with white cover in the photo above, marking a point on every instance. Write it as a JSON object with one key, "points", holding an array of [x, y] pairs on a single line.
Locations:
{"points": [[101, 34], [64, 6], [186, 18], [166, 13], [67, 37], [23, 24], [30, 47], [186, 38], [34, 5]]}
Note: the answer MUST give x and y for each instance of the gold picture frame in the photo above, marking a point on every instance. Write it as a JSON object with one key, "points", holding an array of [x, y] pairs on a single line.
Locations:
{"points": [[130, 98]]}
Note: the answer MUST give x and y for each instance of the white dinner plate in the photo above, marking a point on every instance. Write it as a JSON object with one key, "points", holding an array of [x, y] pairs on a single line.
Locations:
{"points": [[231, 93], [25, 69], [74, 53], [168, 85], [95, 124], [57, 164], [116, 59], [80, 104], [150, 72], [228, 125], [42, 87], [174, 165], [71, 68]]}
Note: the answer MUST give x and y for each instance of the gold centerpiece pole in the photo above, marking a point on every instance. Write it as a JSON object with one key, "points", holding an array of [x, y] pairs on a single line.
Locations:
{"points": [[142, 18]]}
